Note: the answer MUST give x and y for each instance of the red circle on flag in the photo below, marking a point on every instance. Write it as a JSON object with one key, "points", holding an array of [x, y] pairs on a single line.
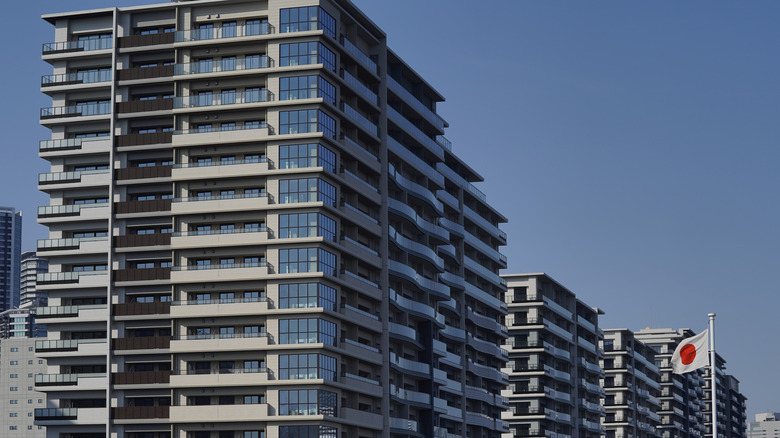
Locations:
{"points": [[687, 354]]}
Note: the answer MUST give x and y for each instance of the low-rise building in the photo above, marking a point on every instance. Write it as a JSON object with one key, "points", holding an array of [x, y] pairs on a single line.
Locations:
{"points": [[18, 395]]}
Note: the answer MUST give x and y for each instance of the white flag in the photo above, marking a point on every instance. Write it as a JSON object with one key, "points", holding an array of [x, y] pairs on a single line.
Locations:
{"points": [[691, 354]]}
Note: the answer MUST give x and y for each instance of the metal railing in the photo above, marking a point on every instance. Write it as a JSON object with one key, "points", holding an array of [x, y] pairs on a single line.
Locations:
{"points": [[212, 33], [223, 65], [89, 109], [85, 77], [210, 129], [78, 46], [220, 266], [364, 59], [222, 197], [262, 229], [234, 98]]}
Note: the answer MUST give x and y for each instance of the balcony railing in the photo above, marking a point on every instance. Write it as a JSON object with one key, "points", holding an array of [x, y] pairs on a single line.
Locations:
{"points": [[140, 377], [149, 274], [138, 106], [142, 343], [360, 87], [87, 77], [133, 240], [63, 379], [146, 40], [222, 301], [64, 311], [222, 197], [64, 277], [89, 109], [223, 336], [206, 100], [143, 172], [200, 67], [147, 206], [192, 164], [66, 177], [210, 129], [135, 73], [65, 344], [220, 266], [213, 33], [56, 414], [63, 244], [139, 412], [262, 229], [360, 119], [154, 308], [78, 46], [144, 139], [64, 144]]}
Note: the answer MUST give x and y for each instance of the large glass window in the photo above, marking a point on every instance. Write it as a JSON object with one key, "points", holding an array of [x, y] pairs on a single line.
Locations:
{"points": [[305, 295], [305, 121], [306, 366], [307, 432], [294, 156], [296, 260], [306, 87], [307, 331], [307, 402], [292, 54], [292, 191], [306, 225], [306, 18]]}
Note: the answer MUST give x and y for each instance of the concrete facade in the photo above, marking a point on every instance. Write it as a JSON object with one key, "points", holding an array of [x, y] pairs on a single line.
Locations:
{"points": [[765, 425], [18, 395], [257, 228]]}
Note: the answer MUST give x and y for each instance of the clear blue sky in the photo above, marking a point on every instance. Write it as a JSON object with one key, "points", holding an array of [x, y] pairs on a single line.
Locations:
{"points": [[634, 147]]}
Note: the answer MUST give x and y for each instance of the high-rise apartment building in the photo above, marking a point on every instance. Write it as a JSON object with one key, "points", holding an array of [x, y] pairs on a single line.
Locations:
{"points": [[766, 425], [632, 386], [32, 265], [682, 395], [19, 397], [10, 255], [686, 398], [730, 403], [257, 229], [553, 363]]}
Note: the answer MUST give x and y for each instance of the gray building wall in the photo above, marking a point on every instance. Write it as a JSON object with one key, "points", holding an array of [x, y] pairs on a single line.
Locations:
{"points": [[18, 398]]}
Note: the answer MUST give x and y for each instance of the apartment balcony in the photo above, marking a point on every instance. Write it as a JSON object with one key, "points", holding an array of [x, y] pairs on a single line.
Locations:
{"points": [[360, 350], [223, 100], [146, 274], [140, 412], [413, 307], [361, 152], [360, 88], [102, 77], [142, 343], [209, 69], [220, 169], [221, 342], [72, 382], [235, 377], [416, 105], [148, 172], [74, 146], [402, 425], [360, 120], [486, 250], [139, 106], [92, 45], [224, 307], [413, 398], [487, 372], [69, 280], [486, 298], [138, 309], [425, 284], [363, 59], [141, 378], [222, 414], [360, 217], [71, 416], [93, 110], [358, 282], [362, 251], [147, 74], [142, 240], [486, 421], [486, 273], [491, 324], [151, 138], [65, 314], [484, 395], [418, 191], [73, 246], [416, 133], [131, 41], [485, 224], [220, 272], [78, 179], [220, 33], [148, 206], [221, 238], [71, 347], [50, 214], [486, 347], [416, 248], [221, 135]]}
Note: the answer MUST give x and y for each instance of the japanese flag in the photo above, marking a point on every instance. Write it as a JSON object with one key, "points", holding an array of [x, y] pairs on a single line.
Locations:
{"points": [[691, 354]]}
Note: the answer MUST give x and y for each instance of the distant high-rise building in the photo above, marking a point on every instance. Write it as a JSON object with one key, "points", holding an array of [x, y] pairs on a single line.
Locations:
{"points": [[766, 425], [10, 257], [256, 228], [732, 415], [32, 265], [21, 375], [632, 386], [553, 363]]}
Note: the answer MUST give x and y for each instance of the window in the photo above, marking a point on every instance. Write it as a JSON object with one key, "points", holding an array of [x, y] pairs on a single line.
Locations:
{"points": [[292, 54], [256, 27], [307, 432], [306, 18], [228, 63], [307, 402], [14, 362], [296, 260], [14, 414], [255, 61], [306, 225], [13, 388], [254, 399], [294, 156], [306, 87], [293, 191], [306, 295], [306, 121], [14, 350], [307, 331], [204, 32], [229, 29], [306, 366], [14, 376], [204, 65]]}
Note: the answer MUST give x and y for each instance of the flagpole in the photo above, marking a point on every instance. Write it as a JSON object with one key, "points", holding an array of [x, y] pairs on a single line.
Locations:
{"points": [[713, 377]]}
